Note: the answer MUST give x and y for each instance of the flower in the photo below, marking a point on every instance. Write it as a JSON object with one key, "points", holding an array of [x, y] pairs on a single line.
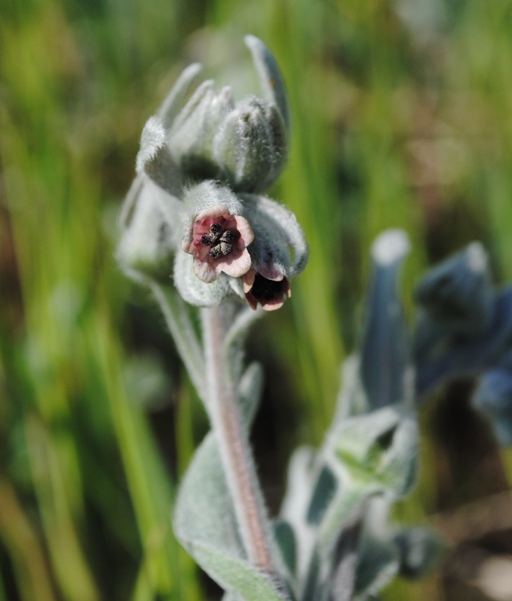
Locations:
{"points": [[270, 294], [218, 242], [278, 253]]}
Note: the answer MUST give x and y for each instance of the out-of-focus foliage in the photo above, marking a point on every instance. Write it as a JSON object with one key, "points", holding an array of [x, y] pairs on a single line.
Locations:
{"points": [[400, 118]]}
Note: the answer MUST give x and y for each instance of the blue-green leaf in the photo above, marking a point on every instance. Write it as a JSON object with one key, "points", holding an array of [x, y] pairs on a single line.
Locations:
{"points": [[385, 346]]}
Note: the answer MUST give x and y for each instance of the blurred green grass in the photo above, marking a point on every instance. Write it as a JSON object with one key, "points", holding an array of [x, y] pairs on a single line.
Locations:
{"points": [[401, 117]]}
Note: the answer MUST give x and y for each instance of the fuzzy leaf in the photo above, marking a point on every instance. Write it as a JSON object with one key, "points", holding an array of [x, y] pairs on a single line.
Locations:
{"points": [[204, 523], [321, 495], [371, 455], [236, 334], [352, 399], [385, 347], [347, 552], [182, 330], [301, 480], [249, 391]]}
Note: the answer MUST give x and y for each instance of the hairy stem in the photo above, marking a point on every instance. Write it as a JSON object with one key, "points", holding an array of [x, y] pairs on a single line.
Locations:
{"points": [[232, 437]]}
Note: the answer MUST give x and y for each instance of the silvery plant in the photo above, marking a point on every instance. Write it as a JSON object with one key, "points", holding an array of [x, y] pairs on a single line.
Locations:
{"points": [[216, 253]]}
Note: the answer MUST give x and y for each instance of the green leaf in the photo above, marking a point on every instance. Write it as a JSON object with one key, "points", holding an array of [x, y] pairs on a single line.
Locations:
{"points": [[204, 523]]}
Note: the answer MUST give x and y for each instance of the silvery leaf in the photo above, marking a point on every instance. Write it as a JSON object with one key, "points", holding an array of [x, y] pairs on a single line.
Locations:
{"points": [[385, 347], [204, 523], [374, 454]]}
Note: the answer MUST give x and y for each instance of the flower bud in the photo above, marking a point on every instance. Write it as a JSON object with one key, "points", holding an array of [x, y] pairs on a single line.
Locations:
{"points": [[251, 146], [243, 145]]}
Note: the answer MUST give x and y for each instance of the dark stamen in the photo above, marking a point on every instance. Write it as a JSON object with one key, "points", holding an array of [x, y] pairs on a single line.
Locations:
{"points": [[219, 240], [227, 236], [226, 248], [215, 251]]}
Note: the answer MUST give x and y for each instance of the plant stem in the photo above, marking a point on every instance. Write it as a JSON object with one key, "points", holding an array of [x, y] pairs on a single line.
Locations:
{"points": [[232, 437]]}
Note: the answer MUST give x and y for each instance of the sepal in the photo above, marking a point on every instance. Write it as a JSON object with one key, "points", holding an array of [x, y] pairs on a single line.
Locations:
{"points": [[194, 290]]}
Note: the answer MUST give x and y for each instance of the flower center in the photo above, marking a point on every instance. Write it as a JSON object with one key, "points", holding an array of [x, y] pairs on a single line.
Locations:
{"points": [[219, 240], [266, 289]]}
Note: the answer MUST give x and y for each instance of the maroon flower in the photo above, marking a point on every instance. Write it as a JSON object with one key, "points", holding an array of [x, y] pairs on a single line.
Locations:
{"points": [[218, 241], [269, 293]]}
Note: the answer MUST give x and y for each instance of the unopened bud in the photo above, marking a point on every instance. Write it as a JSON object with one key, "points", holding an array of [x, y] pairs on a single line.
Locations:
{"points": [[251, 146]]}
